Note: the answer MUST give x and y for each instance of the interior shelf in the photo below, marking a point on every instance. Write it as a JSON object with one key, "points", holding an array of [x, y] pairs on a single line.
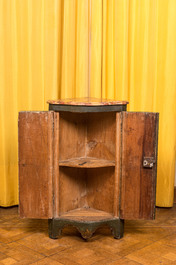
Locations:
{"points": [[87, 162], [86, 214]]}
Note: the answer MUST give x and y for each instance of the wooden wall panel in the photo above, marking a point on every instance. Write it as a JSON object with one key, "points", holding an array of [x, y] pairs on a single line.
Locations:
{"points": [[36, 164], [139, 140], [72, 135], [100, 188], [101, 135], [72, 189]]}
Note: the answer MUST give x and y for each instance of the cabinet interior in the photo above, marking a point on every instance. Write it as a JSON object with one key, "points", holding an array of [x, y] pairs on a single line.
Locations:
{"points": [[87, 153]]}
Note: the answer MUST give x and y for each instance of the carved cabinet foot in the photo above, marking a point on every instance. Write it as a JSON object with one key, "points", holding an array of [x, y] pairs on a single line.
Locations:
{"points": [[86, 229]]}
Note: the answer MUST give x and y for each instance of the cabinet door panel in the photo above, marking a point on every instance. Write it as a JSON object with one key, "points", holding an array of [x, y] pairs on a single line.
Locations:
{"points": [[139, 158], [35, 164]]}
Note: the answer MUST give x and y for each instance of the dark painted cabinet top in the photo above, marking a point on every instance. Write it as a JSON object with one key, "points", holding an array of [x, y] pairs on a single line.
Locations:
{"points": [[87, 104]]}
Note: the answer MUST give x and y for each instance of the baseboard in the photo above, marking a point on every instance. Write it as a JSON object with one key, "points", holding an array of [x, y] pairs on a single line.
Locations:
{"points": [[175, 194]]}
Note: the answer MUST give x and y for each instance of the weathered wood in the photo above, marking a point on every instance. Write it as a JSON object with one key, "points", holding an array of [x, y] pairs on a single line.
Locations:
{"points": [[72, 189], [148, 175], [117, 176], [86, 188], [101, 135], [100, 188], [86, 228], [138, 183], [56, 165], [86, 105], [87, 144], [86, 214], [87, 162], [72, 135], [87, 169], [36, 164]]}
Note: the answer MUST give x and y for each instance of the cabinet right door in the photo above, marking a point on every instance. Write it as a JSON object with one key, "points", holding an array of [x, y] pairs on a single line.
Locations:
{"points": [[138, 164]]}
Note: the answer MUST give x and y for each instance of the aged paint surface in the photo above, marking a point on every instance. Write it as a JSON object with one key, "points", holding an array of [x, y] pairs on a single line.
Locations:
{"points": [[86, 228]]}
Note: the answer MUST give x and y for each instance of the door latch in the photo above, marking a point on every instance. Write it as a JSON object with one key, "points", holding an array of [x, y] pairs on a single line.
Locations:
{"points": [[148, 162]]}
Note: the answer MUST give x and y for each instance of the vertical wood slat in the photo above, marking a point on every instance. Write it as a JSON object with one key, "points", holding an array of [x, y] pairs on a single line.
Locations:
{"points": [[139, 139], [50, 145], [56, 165], [117, 178], [149, 150], [35, 164]]}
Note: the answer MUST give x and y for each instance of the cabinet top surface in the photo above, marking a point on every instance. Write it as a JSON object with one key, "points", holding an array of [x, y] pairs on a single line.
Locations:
{"points": [[87, 101]]}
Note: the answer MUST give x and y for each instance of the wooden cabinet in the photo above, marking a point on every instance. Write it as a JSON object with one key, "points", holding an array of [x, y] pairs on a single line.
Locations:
{"points": [[87, 164]]}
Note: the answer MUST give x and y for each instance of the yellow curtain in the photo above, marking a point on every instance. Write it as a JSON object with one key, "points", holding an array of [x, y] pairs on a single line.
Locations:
{"points": [[74, 48]]}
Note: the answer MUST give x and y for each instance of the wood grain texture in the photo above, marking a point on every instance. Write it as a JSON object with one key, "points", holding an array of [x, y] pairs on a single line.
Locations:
{"points": [[117, 176], [55, 151], [72, 135], [72, 189], [87, 162], [86, 214], [100, 188], [139, 139], [35, 164], [81, 187], [148, 175], [24, 241], [101, 135]]}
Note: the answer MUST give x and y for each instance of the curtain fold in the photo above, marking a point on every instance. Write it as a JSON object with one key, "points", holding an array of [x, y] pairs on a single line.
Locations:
{"points": [[100, 48], [29, 55]]}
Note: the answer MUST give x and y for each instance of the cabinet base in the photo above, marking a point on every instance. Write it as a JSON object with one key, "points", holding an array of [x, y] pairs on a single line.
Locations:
{"points": [[85, 228]]}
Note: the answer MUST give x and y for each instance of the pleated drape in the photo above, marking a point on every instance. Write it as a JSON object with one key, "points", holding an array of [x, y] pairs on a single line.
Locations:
{"points": [[75, 48], [29, 56]]}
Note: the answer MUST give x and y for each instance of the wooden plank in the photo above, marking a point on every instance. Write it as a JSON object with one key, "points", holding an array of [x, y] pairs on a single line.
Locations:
{"points": [[101, 135], [72, 189], [87, 162], [148, 176], [100, 188], [72, 135], [56, 165], [117, 175], [139, 140], [86, 214], [35, 164]]}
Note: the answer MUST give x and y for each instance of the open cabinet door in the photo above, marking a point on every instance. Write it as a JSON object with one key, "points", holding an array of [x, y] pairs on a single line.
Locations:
{"points": [[138, 165], [36, 164]]}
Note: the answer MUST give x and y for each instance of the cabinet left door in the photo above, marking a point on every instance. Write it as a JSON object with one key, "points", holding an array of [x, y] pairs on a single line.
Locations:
{"points": [[36, 164]]}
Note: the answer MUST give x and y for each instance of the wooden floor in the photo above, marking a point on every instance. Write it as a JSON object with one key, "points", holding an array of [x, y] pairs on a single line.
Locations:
{"points": [[144, 242]]}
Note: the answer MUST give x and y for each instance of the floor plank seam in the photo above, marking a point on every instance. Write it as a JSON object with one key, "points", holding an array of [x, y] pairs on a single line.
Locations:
{"points": [[31, 249], [23, 244]]}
